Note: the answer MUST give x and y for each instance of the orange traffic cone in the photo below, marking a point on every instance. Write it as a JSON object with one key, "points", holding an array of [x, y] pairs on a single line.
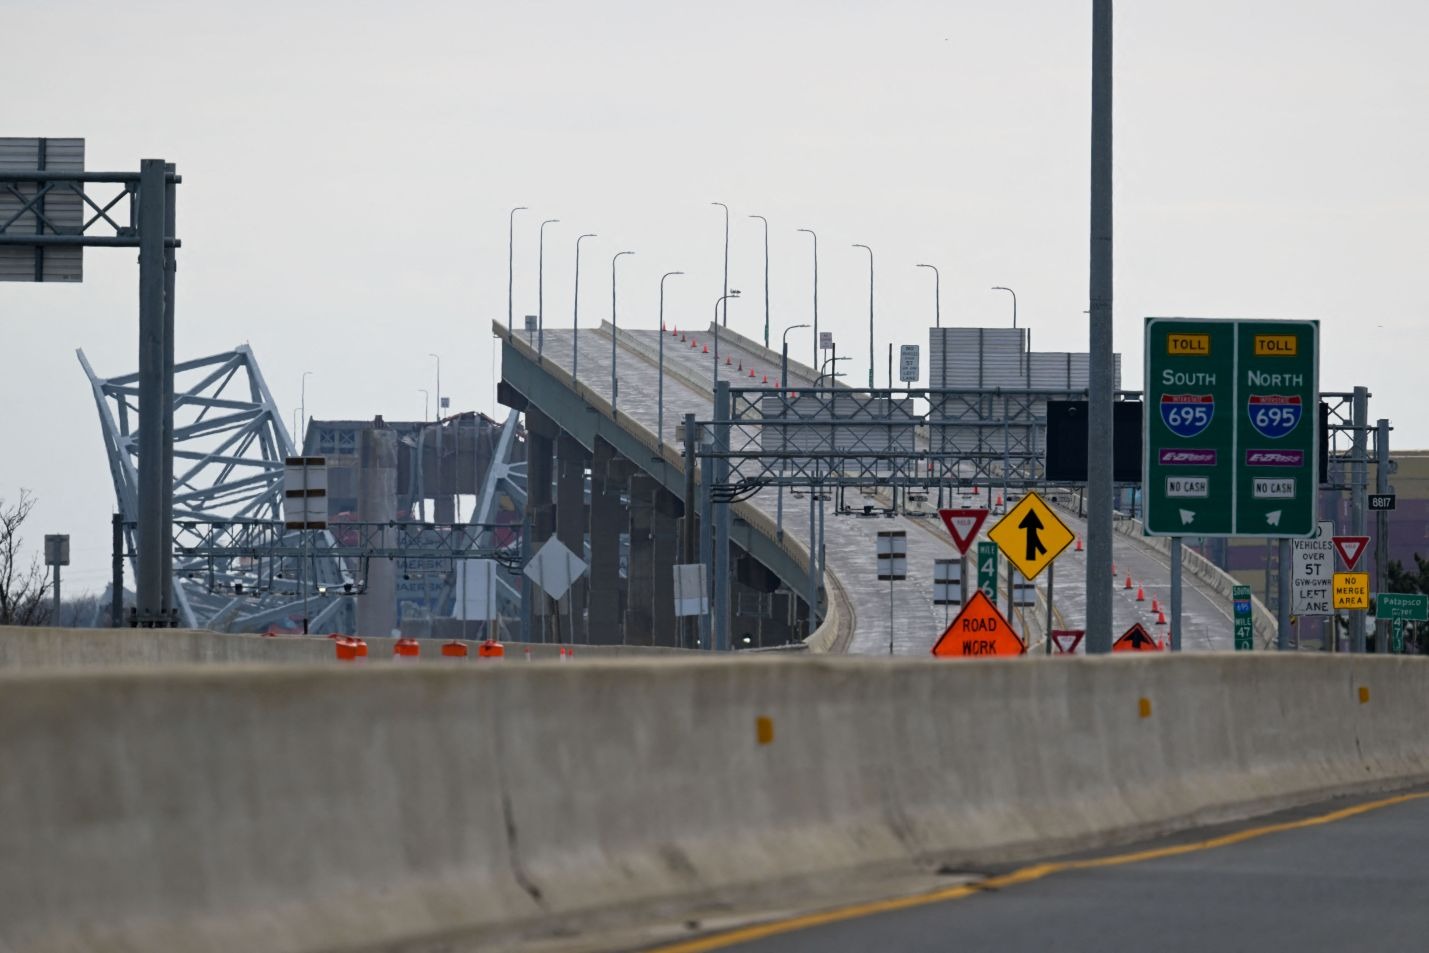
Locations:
{"points": [[765, 380], [1128, 583], [999, 501], [751, 372], [728, 361], [706, 350], [694, 343], [1079, 544], [1160, 618], [1140, 594], [1155, 606]]}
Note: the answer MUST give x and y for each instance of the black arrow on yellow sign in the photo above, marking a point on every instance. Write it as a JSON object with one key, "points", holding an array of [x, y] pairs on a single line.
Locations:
{"points": [[1033, 525]]}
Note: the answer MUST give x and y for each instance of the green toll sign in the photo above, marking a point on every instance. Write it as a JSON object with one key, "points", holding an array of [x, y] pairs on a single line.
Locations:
{"points": [[1230, 427]]}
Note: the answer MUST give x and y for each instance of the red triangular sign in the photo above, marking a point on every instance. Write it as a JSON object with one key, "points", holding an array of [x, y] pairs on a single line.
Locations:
{"points": [[963, 526], [1135, 639], [1350, 548], [1066, 640]]}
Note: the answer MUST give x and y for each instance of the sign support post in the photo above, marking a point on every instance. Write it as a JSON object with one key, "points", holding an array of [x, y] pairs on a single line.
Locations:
{"points": [[1176, 558]]}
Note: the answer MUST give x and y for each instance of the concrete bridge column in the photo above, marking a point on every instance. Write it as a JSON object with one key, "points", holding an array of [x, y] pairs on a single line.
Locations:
{"points": [[376, 503], [571, 522], [666, 542], [640, 569], [607, 520], [540, 516]]}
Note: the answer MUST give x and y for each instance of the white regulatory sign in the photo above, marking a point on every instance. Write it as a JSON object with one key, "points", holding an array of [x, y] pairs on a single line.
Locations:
{"points": [[826, 340], [908, 363], [1282, 488], [1312, 563], [1195, 487]]}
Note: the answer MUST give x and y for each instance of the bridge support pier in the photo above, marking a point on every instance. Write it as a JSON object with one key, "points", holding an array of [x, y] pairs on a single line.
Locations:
{"points": [[666, 546], [640, 569], [540, 517], [607, 520], [571, 522]]}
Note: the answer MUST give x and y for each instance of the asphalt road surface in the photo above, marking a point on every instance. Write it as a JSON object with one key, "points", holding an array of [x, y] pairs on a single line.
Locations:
{"points": [[1352, 882]]}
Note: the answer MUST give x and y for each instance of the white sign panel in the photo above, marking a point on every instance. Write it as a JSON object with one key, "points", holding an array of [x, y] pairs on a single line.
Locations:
{"points": [[892, 554], [476, 589], [947, 582], [305, 492], [826, 340], [1312, 564], [60, 210], [691, 593], [554, 568], [908, 364], [1024, 591]]}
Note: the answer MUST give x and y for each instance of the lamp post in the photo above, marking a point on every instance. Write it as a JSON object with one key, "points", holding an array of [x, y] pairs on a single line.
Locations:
{"points": [[426, 408], [937, 296], [540, 295], [784, 360], [614, 381], [783, 434], [303, 403], [721, 300], [660, 399], [576, 310], [1014, 302], [438, 359], [725, 286], [870, 312], [510, 260], [810, 231], [830, 374], [766, 276]]}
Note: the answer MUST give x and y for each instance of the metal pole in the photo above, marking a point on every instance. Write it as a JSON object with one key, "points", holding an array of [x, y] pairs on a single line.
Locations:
{"points": [[1381, 526], [1051, 568], [660, 400], [1100, 372], [707, 539], [576, 310], [816, 294], [870, 312], [614, 380], [891, 563], [171, 267], [815, 491], [154, 531], [55, 596], [1282, 614], [116, 593], [687, 527], [540, 296], [722, 517], [1014, 299], [937, 296], [723, 300], [766, 276], [1177, 556], [510, 261], [1359, 482], [725, 289]]}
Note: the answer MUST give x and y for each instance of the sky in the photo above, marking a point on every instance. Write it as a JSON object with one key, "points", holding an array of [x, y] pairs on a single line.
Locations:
{"points": [[349, 167]]}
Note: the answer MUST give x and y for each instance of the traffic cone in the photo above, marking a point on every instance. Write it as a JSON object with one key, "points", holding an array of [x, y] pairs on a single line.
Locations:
{"points": [[765, 380], [1128, 583], [1140, 594], [706, 350], [693, 342], [1155, 606], [1079, 544], [728, 360], [999, 501], [1160, 618], [751, 372]]}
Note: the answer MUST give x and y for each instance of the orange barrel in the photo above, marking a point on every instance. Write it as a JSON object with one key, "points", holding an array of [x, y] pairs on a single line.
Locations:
{"points": [[491, 649], [406, 648], [346, 648], [454, 649]]}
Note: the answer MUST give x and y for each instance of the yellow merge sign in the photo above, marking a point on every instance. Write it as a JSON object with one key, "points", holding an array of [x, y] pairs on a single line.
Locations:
{"points": [[1351, 590], [1031, 535]]}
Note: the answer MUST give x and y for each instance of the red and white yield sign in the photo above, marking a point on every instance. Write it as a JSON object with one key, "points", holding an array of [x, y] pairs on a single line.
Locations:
{"points": [[963, 526], [1350, 548]]}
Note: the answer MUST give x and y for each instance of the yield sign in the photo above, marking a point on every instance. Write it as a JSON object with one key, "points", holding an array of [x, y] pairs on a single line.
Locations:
{"points": [[963, 526], [1350, 548], [1067, 640], [1031, 535], [1135, 639], [979, 631]]}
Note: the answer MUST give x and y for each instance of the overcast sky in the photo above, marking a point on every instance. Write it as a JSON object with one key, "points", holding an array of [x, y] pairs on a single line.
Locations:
{"points": [[348, 167]]}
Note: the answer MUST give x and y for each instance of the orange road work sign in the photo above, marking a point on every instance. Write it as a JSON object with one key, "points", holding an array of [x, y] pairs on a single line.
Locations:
{"points": [[979, 631], [1135, 639]]}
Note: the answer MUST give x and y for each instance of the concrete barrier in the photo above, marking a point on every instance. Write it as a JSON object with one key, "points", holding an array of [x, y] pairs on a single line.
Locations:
{"points": [[228, 808], [55, 647]]}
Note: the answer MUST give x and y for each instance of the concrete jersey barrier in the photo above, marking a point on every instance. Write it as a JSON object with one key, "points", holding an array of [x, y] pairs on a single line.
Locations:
{"points": [[233, 808]]}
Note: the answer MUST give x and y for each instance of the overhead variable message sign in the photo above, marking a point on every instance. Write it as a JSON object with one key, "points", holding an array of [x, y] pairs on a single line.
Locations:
{"points": [[1312, 563], [1031, 535], [1230, 444]]}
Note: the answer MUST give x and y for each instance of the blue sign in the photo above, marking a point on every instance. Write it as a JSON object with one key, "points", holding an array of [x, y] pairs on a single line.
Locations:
{"points": [[1273, 415], [1186, 415]]}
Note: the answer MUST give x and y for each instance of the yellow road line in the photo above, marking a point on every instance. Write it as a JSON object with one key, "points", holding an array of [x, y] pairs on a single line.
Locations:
{"points": [[1022, 875]]}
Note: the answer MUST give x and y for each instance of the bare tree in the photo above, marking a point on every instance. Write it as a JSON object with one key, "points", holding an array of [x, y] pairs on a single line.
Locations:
{"points": [[24, 589]]}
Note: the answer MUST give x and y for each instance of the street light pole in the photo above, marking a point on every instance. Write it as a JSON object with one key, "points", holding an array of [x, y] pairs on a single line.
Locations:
{"points": [[725, 288], [815, 362], [510, 260], [870, 312], [722, 299], [1014, 302], [576, 310], [784, 359], [426, 404], [301, 437], [660, 399], [614, 381], [937, 296], [783, 434], [438, 359], [766, 276], [540, 293]]}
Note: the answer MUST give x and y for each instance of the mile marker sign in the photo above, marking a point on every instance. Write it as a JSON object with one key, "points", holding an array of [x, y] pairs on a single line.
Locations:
{"points": [[963, 526]]}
